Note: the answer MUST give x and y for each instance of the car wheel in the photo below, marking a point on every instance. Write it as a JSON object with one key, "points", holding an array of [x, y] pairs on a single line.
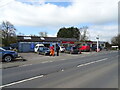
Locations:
{"points": [[8, 58]]}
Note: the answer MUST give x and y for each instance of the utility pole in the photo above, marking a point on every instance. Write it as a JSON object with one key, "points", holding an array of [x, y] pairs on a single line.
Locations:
{"points": [[97, 43]]}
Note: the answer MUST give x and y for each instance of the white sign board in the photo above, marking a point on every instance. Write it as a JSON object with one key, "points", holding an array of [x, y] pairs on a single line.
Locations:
{"points": [[27, 37], [114, 46]]}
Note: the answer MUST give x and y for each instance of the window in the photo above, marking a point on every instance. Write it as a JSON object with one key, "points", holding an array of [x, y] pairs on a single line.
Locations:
{"points": [[36, 46], [45, 48], [41, 48]]}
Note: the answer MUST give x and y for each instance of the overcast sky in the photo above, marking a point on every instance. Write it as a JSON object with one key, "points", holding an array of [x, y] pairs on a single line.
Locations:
{"points": [[33, 16]]}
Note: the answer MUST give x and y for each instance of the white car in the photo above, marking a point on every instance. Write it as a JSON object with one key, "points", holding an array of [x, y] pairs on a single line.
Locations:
{"points": [[62, 48], [37, 47]]}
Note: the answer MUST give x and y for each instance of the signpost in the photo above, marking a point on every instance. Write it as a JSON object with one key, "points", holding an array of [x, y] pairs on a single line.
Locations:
{"points": [[97, 43]]}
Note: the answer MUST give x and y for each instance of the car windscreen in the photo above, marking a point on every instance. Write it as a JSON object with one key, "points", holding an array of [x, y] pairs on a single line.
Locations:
{"points": [[46, 49], [68, 48], [74, 47], [41, 48]]}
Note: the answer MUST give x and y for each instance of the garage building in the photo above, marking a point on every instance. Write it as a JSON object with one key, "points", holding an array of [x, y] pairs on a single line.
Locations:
{"points": [[27, 43]]}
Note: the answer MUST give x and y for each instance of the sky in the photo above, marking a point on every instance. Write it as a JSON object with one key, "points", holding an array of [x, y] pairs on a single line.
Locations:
{"points": [[33, 16]]}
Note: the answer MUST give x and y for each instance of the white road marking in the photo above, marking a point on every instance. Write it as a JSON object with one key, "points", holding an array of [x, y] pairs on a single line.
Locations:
{"points": [[62, 70], [21, 81], [92, 62]]}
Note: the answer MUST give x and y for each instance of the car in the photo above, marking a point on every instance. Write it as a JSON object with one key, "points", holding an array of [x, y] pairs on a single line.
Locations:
{"points": [[85, 48], [7, 48], [44, 51], [72, 50], [62, 49], [94, 48], [7, 55], [37, 47]]}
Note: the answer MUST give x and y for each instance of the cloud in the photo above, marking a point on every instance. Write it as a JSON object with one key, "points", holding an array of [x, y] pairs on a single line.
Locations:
{"points": [[95, 12], [44, 15], [105, 32]]}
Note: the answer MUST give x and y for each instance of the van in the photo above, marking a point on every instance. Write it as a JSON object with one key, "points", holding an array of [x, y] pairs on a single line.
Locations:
{"points": [[37, 47]]}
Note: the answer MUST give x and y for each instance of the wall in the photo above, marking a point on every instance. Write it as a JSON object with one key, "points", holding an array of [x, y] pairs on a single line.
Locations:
{"points": [[29, 46]]}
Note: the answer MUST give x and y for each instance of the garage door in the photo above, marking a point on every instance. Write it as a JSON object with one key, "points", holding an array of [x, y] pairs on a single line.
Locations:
{"points": [[26, 48]]}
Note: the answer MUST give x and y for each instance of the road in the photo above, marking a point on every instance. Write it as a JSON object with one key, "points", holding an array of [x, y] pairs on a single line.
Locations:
{"points": [[95, 71]]}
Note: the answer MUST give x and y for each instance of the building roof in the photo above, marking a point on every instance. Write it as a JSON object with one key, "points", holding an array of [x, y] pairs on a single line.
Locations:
{"points": [[45, 39]]}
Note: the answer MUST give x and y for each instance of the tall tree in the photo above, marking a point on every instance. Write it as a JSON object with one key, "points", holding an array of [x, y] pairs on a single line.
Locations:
{"points": [[116, 40], [43, 34], [8, 33], [70, 32], [108, 45]]}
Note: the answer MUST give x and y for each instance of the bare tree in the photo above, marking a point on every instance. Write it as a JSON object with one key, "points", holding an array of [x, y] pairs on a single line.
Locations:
{"points": [[7, 29], [43, 34], [8, 33], [33, 35], [20, 34], [83, 33]]}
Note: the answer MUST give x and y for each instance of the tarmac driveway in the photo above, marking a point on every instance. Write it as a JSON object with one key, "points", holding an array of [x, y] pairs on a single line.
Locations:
{"points": [[33, 58]]}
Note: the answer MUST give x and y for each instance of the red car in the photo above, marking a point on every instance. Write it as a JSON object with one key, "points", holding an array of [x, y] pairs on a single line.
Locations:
{"points": [[85, 48]]}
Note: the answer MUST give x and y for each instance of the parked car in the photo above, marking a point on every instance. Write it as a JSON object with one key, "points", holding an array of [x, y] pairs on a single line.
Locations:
{"points": [[72, 50], [7, 55], [85, 48], [44, 51], [62, 49], [94, 48], [37, 47], [7, 48]]}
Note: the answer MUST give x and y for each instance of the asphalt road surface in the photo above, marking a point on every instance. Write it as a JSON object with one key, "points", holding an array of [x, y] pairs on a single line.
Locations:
{"points": [[95, 71]]}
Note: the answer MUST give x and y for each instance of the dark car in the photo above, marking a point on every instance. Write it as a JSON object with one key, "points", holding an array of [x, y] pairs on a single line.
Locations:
{"points": [[44, 51], [7, 48], [72, 50], [7, 55], [94, 48]]}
